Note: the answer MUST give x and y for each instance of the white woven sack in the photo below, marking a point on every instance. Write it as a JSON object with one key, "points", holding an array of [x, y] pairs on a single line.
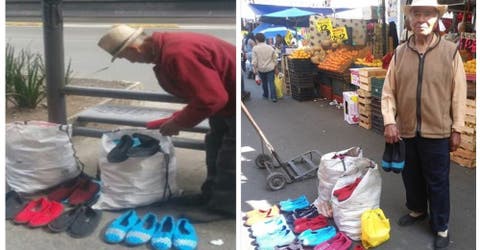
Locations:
{"points": [[347, 214], [137, 181], [329, 170], [39, 155]]}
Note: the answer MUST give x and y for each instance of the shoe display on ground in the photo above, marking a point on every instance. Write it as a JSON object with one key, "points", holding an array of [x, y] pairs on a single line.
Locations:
{"points": [[313, 224], [142, 232], [184, 235], [279, 238], [117, 230], [162, 238], [268, 226], [339, 242]]}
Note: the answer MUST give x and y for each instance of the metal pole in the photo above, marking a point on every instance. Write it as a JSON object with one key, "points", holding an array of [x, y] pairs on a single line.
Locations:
{"points": [[54, 59]]}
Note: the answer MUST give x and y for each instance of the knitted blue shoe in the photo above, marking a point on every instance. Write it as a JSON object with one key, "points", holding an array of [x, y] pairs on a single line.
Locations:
{"points": [[268, 226], [162, 238], [289, 201], [290, 207], [279, 238], [315, 237], [142, 232], [117, 230], [184, 235]]}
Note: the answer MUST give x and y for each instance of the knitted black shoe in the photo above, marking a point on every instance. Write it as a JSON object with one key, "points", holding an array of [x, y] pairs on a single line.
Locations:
{"points": [[398, 156], [387, 157], [408, 220], [119, 152]]}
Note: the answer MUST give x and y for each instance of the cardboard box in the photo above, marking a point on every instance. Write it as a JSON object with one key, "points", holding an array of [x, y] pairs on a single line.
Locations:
{"points": [[350, 107]]}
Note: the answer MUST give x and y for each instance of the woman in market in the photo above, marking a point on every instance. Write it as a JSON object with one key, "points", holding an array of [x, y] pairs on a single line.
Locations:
{"points": [[423, 104]]}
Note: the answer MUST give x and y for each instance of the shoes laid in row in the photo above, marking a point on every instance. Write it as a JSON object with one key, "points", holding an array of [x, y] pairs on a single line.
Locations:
{"points": [[307, 212], [339, 242], [313, 223], [162, 235], [315, 237], [281, 237], [268, 226], [78, 222]]}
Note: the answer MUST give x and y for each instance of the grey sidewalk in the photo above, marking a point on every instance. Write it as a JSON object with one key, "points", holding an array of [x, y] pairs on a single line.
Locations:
{"points": [[295, 127], [190, 174]]}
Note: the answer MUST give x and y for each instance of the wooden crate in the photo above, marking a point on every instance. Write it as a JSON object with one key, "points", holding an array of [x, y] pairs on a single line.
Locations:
{"points": [[364, 108], [368, 72], [469, 163], [364, 93], [364, 100], [365, 121]]}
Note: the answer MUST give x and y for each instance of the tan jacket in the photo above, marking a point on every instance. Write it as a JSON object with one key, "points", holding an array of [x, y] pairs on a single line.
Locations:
{"points": [[264, 58], [425, 94]]}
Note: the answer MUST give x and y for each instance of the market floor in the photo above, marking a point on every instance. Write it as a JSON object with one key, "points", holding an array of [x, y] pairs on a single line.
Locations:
{"points": [[191, 172], [294, 127]]}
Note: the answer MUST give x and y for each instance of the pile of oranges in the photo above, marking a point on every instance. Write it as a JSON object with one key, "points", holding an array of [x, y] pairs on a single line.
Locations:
{"points": [[300, 54], [471, 66]]}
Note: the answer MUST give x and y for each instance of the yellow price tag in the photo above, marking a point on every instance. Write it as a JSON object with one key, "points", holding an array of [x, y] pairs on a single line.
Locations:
{"points": [[339, 33], [288, 38], [324, 24]]}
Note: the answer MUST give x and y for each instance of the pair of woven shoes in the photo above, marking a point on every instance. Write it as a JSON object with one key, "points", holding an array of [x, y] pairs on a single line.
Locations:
{"points": [[268, 226], [394, 157], [339, 242], [259, 215], [162, 235], [307, 212], [80, 190], [38, 213], [292, 205], [314, 223], [281, 237], [315, 237], [136, 145], [78, 222]]}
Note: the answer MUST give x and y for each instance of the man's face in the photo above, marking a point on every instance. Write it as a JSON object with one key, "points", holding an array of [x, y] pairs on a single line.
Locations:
{"points": [[423, 20], [132, 54]]}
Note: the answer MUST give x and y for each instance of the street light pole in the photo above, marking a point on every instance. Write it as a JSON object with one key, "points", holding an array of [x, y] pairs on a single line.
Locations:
{"points": [[54, 60]]}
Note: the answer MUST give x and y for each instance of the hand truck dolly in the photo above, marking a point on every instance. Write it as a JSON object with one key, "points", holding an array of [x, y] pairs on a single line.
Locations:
{"points": [[298, 168]]}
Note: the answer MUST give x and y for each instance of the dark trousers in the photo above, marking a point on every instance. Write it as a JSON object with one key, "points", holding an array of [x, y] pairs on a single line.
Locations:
{"points": [[426, 179], [267, 83], [220, 159]]}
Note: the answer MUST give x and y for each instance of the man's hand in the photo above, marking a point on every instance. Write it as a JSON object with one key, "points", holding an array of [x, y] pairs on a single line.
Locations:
{"points": [[170, 128], [156, 123], [455, 140], [391, 133]]}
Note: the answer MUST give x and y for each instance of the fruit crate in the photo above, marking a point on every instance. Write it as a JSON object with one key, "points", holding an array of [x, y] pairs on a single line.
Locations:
{"points": [[304, 93], [303, 80], [326, 92], [300, 65], [377, 123]]}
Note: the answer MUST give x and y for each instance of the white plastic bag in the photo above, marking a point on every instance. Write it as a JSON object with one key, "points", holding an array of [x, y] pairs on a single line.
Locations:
{"points": [[332, 166], [366, 195], [137, 181], [39, 155]]}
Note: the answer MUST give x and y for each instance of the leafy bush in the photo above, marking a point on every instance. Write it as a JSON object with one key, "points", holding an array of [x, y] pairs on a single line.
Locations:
{"points": [[24, 78]]}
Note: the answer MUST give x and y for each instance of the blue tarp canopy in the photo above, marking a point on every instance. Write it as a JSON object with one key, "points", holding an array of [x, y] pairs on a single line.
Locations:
{"points": [[271, 30], [291, 17], [262, 9]]}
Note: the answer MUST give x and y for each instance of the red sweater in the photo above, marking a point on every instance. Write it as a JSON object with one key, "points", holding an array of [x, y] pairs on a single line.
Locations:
{"points": [[200, 69]]}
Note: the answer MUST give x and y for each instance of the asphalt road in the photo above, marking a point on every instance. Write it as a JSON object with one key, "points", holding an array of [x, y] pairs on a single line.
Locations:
{"points": [[80, 45]]}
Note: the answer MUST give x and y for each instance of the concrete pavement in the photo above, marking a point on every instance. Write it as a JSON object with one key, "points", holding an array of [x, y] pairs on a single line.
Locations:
{"points": [[294, 127]]}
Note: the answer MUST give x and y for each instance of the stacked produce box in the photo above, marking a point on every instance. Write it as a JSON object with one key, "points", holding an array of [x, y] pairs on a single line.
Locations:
{"points": [[370, 81], [300, 72], [465, 154]]}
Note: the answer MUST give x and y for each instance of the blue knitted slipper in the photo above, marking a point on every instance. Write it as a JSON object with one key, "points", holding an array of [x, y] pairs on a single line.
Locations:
{"points": [[184, 235], [162, 238], [117, 230], [142, 232]]}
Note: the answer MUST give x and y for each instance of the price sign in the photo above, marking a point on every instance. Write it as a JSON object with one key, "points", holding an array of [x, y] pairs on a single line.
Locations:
{"points": [[339, 33], [324, 24], [468, 44], [288, 38]]}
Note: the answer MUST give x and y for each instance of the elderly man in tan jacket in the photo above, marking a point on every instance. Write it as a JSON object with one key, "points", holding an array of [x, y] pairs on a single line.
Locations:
{"points": [[423, 103]]}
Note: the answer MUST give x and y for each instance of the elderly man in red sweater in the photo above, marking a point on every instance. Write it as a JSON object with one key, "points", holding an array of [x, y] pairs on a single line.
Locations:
{"points": [[200, 69]]}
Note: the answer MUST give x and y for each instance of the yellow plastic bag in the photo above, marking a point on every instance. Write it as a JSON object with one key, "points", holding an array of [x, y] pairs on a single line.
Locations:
{"points": [[278, 86], [375, 228]]}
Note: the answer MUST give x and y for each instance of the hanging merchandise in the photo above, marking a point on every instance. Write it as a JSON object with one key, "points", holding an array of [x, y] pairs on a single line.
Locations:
{"points": [[39, 155], [332, 166], [375, 228], [138, 175], [357, 198]]}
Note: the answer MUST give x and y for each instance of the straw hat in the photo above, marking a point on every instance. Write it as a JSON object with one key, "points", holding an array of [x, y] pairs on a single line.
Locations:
{"points": [[118, 38], [441, 8]]}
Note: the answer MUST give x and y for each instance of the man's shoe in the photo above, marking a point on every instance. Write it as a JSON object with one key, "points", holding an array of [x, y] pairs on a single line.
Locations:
{"points": [[408, 220], [441, 242]]}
